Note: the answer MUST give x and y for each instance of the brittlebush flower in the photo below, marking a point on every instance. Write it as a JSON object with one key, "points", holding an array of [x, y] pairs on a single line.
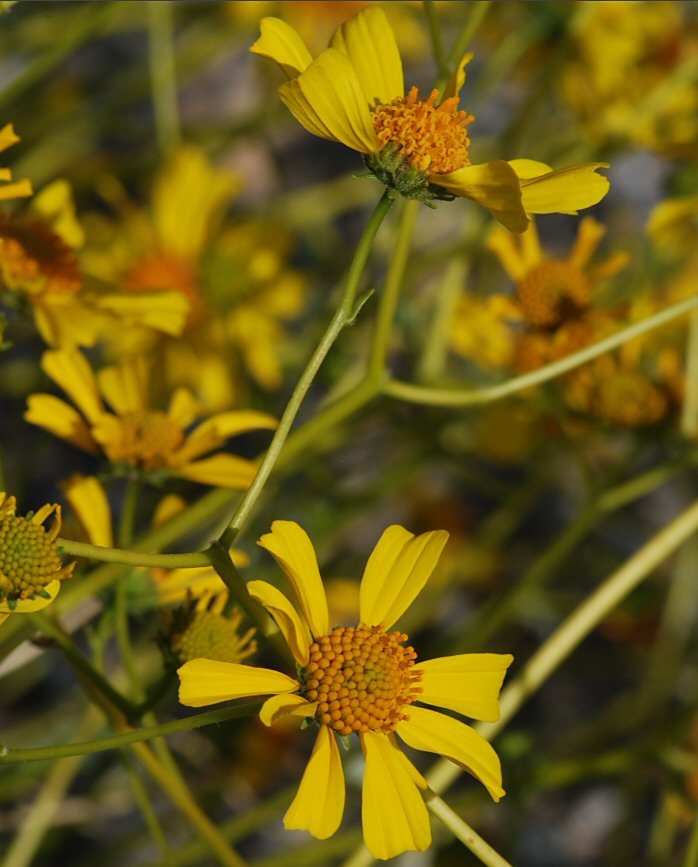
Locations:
{"points": [[10, 189], [30, 566], [233, 277], [40, 269], [353, 93], [116, 419], [364, 680]]}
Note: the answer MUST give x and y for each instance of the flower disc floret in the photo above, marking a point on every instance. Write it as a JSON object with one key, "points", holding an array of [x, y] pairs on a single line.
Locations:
{"points": [[362, 678], [553, 291], [147, 438], [431, 137], [210, 635], [35, 258]]}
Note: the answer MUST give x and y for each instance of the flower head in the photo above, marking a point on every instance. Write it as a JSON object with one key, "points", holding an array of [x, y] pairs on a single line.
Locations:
{"points": [[30, 566], [10, 189], [203, 630], [117, 420], [353, 93], [363, 680]]}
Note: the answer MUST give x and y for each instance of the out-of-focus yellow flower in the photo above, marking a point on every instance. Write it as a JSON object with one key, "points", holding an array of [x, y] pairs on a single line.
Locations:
{"points": [[234, 280], [204, 631], [30, 566], [634, 73], [134, 435], [363, 680], [673, 225], [482, 330], [39, 267], [353, 93], [10, 189]]}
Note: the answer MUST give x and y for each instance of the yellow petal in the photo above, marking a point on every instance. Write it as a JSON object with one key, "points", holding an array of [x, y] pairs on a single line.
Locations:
{"points": [[468, 683], [189, 200], [163, 311], [589, 235], [289, 545], [368, 41], [205, 681], [230, 424], [222, 471], [396, 572], [183, 408], [493, 185], [285, 615], [60, 419], [91, 506], [55, 203], [279, 706], [526, 169], [319, 802], [26, 606], [3, 618], [16, 190], [393, 812], [328, 100], [564, 191], [281, 43], [8, 137], [505, 247], [457, 80], [437, 733], [175, 586], [125, 385], [70, 370]]}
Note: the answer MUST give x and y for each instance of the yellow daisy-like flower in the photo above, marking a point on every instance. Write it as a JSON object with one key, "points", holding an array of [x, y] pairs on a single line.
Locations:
{"points": [[30, 567], [133, 434], [39, 265], [10, 189], [353, 93], [233, 278], [202, 630], [363, 679]]}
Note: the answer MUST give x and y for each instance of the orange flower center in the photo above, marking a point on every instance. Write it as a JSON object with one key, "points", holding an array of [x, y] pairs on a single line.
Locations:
{"points": [[34, 258], [361, 677], [147, 438], [28, 558], [432, 138], [162, 272], [553, 291]]}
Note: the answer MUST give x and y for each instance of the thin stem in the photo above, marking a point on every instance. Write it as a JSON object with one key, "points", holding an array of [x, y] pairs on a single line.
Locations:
{"points": [[128, 513], [131, 736], [689, 415], [131, 558], [437, 42], [463, 832], [123, 638], [163, 78], [222, 562], [343, 316], [79, 661], [474, 17], [393, 284], [140, 793], [471, 397], [576, 628]]}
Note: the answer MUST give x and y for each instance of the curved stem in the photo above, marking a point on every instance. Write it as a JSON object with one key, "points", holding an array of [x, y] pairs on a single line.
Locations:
{"points": [[344, 316], [459, 397], [131, 558]]}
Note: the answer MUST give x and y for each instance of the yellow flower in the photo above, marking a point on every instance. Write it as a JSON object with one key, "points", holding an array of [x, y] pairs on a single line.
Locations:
{"points": [[482, 330], [363, 679], [39, 264], [30, 567], [204, 631], [10, 189], [353, 93], [134, 435], [234, 279], [673, 225]]}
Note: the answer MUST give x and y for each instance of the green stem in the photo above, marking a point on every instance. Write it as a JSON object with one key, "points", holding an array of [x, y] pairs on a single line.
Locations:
{"points": [[437, 42], [474, 17], [463, 832], [691, 859], [79, 661], [222, 562], [128, 513], [344, 316], [131, 736], [689, 415], [391, 292], [577, 627], [452, 397], [140, 793], [163, 78], [131, 558]]}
